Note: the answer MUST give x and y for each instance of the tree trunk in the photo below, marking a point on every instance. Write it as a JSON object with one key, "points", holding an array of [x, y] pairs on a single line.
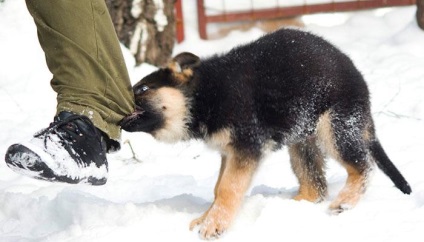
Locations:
{"points": [[420, 13], [146, 27]]}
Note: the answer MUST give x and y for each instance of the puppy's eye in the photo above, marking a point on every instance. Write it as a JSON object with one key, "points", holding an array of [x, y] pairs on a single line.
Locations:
{"points": [[144, 88], [138, 90]]}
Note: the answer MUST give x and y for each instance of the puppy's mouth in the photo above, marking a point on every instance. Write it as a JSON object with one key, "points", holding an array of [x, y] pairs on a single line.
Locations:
{"points": [[128, 121], [137, 111]]}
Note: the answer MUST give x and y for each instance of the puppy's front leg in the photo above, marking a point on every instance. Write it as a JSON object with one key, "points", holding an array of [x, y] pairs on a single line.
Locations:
{"points": [[234, 180]]}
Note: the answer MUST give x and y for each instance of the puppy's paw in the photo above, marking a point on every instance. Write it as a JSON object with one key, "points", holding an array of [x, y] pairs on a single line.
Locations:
{"points": [[212, 224], [338, 208], [209, 228]]}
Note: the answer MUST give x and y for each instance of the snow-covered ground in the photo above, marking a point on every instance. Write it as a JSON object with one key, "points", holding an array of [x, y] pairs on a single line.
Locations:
{"points": [[155, 199]]}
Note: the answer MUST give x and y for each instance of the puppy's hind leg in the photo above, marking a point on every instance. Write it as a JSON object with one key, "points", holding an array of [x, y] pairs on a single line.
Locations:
{"points": [[308, 165], [349, 136]]}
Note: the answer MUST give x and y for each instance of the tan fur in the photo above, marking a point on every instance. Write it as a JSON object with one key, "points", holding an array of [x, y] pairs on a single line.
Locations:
{"points": [[174, 67], [219, 140], [356, 182], [367, 133], [221, 171], [326, 136], [269, 146], [308, 190], [307, 193], [351, 192], [173, 105], [181, 75], [234, 180]]}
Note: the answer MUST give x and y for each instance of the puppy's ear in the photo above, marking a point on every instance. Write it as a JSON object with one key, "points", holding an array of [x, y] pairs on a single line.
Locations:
{"points": [[186, 60], [182, 66]]}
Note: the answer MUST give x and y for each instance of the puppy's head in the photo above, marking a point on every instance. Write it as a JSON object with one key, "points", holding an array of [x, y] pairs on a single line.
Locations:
{"points": [[162, 101]]}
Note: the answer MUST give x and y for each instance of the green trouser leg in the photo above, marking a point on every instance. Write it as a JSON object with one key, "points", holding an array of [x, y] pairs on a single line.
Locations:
{"points": [[83, 53]]}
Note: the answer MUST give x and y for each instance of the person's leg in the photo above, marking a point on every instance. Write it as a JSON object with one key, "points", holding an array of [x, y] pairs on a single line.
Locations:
{"points": [[94, 93], [83, 53]]}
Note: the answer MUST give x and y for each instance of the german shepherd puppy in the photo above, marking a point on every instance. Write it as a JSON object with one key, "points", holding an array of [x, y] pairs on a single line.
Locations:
{"points": [[287, 88]]}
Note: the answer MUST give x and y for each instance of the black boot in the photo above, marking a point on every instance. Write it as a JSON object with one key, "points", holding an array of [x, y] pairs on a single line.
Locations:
{"points": [[70, 150]]}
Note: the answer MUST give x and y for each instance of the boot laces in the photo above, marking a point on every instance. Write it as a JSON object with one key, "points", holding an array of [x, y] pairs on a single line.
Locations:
{"points": [[68, 127]]}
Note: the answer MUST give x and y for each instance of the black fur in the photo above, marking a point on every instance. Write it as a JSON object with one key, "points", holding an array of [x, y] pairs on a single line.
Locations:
{"points": [[384, 163]]}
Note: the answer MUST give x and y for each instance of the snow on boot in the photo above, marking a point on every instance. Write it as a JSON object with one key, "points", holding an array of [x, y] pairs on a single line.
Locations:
{"points": [[70, 150]]}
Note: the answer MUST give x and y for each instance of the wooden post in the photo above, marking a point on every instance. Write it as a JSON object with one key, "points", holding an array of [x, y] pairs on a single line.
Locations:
{"points": [[420, 13], [147, 28]]}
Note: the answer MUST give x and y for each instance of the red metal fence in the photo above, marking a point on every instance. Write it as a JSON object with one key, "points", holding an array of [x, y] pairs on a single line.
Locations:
{"points": [[179, 21], [225, 15]]}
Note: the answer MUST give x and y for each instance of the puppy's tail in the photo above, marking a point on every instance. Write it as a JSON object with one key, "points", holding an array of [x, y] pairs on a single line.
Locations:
{"points": [[386, 165]]}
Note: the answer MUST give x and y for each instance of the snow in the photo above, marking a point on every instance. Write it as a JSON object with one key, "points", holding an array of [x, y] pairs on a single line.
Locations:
{"points": [[157, 198], [160, 18], [136, 9]]}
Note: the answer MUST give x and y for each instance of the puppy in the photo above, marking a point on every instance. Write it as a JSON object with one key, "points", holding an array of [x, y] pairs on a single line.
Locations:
{"points": [[286, 88]]}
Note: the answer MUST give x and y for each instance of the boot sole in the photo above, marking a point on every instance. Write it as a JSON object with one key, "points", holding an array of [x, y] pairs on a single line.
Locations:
{"points": [[24, 161]]}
